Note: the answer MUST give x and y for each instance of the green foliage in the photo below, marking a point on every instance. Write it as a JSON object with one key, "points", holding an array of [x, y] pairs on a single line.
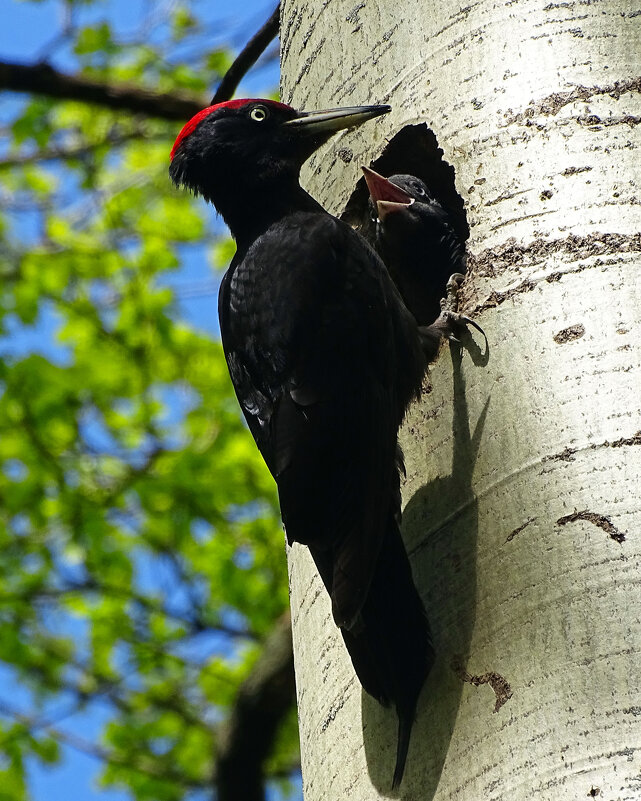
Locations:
{"points": [[95, 39], [141, 554]]}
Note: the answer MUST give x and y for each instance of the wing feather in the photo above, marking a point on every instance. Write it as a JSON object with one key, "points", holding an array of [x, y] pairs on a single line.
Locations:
{"points": [[314, 349]]}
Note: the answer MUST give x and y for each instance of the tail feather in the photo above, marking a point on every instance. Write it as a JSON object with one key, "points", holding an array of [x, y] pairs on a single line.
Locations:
{"points": [[358, 640], [390, 644], [402, 746], [396, 622]]}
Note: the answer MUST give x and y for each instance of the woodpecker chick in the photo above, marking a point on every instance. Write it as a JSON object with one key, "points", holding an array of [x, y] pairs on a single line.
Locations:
{"points": [[425, 257], [324, 358], [415, 240]]}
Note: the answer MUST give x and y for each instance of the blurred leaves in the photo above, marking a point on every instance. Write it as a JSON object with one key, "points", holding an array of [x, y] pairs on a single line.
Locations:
{"points": [[141, 554]]}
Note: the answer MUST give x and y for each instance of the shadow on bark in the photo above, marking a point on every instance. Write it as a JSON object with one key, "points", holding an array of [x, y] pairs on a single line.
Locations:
{"points": [[444, 566]]}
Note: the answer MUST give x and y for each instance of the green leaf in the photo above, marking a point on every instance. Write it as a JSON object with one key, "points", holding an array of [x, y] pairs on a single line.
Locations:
{"points": [[137, 516], [97, 38]]}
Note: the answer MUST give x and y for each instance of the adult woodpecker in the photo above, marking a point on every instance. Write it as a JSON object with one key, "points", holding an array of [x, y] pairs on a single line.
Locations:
{"points": [[325, 359], [415, 238]]}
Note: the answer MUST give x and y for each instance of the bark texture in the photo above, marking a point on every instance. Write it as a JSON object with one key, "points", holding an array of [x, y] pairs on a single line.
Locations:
{"points": [[522, 513]]}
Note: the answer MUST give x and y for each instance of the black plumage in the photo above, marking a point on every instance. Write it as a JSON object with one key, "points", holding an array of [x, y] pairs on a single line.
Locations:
{"points": [[325, 359], [415, 238], [425, 257]]}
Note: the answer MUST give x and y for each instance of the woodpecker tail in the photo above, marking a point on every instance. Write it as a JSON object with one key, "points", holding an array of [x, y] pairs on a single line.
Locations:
{"points": [[390, 643], [395, 618]]}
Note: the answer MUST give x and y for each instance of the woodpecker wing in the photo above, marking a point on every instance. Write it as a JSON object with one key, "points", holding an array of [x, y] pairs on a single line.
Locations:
{"points": [[311, 345]]}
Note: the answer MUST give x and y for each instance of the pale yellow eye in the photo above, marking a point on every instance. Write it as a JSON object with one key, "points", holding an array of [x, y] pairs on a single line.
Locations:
{"points": [[258, 114]]}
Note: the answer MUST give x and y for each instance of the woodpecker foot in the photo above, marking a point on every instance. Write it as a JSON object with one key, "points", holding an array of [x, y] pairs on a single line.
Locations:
{"points": [[454, 324], [450, 302], [451, 322]]}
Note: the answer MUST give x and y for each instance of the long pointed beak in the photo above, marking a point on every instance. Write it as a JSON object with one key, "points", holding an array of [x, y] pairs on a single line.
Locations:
{"points": [[334, 119], [382, 190]]}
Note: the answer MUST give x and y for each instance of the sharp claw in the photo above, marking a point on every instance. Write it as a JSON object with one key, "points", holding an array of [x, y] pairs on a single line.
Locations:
{"points": [[449, 304], [469, 321]]}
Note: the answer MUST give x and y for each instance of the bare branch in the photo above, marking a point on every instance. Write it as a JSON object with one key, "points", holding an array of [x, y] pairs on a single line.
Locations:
{"points": [[264, 699], [247, 58], [45, 80]]}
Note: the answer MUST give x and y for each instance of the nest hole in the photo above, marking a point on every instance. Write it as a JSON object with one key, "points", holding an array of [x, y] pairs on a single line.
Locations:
{"points": [[413, 150]]}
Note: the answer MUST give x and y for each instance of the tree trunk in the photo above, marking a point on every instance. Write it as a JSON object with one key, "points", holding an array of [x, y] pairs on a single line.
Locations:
{"points": [[522, 513]]}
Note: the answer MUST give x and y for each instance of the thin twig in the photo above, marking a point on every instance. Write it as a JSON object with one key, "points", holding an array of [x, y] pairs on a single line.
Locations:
{"points": [[247, 58]]}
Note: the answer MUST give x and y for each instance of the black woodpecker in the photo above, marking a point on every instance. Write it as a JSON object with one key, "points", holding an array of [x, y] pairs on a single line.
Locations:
{"points": [[325, 359]]}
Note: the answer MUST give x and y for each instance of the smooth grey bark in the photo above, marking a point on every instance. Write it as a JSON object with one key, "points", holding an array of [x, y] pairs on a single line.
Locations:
{"points": [[522, 512]]}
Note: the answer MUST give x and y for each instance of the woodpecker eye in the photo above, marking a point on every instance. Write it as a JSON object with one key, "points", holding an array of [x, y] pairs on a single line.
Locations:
{"points": [[259, 113]]}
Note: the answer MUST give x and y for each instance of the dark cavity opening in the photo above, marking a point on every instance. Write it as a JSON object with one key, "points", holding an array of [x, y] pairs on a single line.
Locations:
{"points": [[413, 151]]}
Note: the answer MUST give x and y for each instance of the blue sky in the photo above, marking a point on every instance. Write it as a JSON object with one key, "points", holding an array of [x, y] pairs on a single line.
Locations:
{"points": [[27, 30]]}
